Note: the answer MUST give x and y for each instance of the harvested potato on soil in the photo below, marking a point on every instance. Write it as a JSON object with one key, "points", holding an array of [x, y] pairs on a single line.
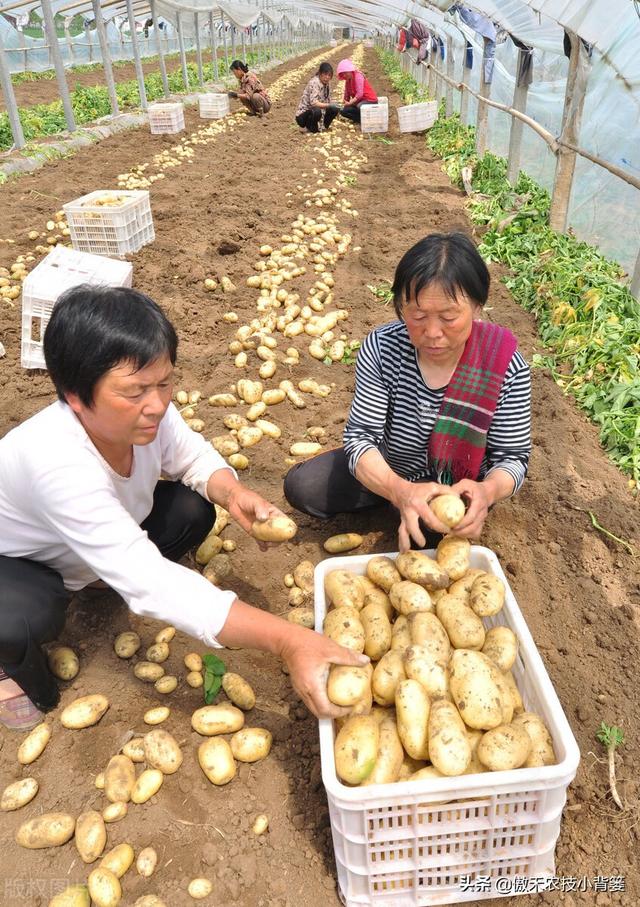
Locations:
{"points": [[303, 617], [147, 784], [223, 718], [216, 760], [200, 888], [238, 690], [148, 671], [275, 529], [90, 836], [158, 652], [195, 679], [34, 743], [114, 812], [104, 888], [119, 860], [84, 712], [18, 794], [448, 508], [47, 830], [127, 644], [73, 896], [161, 751], [345, 541], [303, 576], [119, 779], [147, 862], [260, 825], [251, 744], [166, 684], [193, 661], [63, 662]]}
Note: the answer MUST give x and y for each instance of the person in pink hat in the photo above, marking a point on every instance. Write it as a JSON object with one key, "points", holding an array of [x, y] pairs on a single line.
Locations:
{"points": [[357, 90]]}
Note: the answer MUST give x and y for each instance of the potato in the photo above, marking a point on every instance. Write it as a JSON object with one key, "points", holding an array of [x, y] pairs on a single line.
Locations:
{"points": [[376, 596], [407, 597], [253, 414], [134, 749], [18, 794], [127, 644], [104, 888], [412, 711], [343, 589], [303, 576], [147, 862], [251, 744], [200, 888], [449, 746], [166, 634], [504, 748], [487, 595], [161, 751], [343, 626], [505, 696], [249, 391], [269, 429], [422, 569], [34, 743], [464, 627], [148, 671], [273, 396], [193, 661], [166, 684], [347, 684], [462, 587], [73, 896], [410, 766], [426, 773], [501, 646], [91, 836], [63, 662], [260, 825], [275, 529], [147, 784], [47, 830], [426, 630], [218, 568], [99, 781], [448, 508], [303, 617], [119, 779], [211, 545], [296, 597], [513, 692], [114, 812], [345, 541], [216, 760], [382, 571], [377, 631], [387, 675], [222, 400], [217, 719], [156, 715], [541, 752], [249, 435], [119, 860], [474, 684], [195, 679], [390, 755], [238, 690], [421, 665], [149, 900], [364, 706], [356, 748], [84, 712], [453, 555], [238, 461], [400, 635]]}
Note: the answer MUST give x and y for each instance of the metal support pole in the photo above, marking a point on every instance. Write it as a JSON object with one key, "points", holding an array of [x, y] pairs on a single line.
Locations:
{"points": [[163, 68], [449, 89], [106, 57], [257, 61], [136, 56], [520, 103], [183, 56], [196, 25], [87, 37], [214, 47], [224, 38], [54, 50], [482, 120], [635, 280], [233, 41], [67, 37], [10, 99], [571, 121], [243, 41]]}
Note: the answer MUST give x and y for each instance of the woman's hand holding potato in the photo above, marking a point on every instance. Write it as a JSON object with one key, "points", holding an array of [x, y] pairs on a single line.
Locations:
{"points": [[412, 500]]}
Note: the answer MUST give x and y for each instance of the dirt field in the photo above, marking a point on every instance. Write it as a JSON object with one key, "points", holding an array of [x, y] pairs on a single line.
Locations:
{"points": [[579, 591]]}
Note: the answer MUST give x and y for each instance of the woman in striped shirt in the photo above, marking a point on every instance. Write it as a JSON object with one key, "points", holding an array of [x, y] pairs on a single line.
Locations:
{"points": [[442, 402]]}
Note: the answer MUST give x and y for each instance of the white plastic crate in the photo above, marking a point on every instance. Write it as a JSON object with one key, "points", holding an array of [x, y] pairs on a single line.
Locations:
{"points": [[61, 270], [333, 43], [374, 118], [383, 102], [116, 228], [166, 118], [416, 117], [415, 843], [213, 106]]}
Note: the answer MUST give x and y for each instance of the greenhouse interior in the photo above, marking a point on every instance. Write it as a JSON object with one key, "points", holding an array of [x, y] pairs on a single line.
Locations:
{"points": [[319, 452]]}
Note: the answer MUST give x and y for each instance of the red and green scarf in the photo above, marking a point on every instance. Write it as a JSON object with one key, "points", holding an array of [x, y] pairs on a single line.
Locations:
{"points": [[459, 437]]}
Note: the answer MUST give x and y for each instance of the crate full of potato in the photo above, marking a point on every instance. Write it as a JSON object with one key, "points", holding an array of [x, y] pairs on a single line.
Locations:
{"points": [[452, 764]]}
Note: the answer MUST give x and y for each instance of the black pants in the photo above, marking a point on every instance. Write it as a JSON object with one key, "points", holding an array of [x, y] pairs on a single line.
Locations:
{"points": [[352, 111], [310, 119], [33, 600], [324, 487]]}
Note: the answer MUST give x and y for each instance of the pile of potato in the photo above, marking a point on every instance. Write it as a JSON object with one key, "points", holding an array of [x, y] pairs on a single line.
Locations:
{"points": [[439, 697]]}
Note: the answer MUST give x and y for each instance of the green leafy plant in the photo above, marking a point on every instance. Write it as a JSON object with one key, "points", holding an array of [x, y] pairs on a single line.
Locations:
{"points": [[383, 292], [349, 355], [214, 669], [611, 738]]}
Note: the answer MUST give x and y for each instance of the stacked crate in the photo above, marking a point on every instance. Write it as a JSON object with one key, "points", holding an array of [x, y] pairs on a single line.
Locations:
{"points": [[110, 222]]}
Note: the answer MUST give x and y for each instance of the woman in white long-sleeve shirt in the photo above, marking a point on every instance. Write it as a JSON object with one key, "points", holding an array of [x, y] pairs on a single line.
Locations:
{"points": [[81, 499]]}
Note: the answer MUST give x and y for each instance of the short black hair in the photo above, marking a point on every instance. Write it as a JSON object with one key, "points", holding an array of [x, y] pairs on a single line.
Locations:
{"points": [[450, 260], [325, 68], [238, 64], [92, 329]]}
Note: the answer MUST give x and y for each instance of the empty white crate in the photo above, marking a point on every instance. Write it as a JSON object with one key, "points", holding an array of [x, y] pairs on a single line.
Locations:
{"points": [[166, 118], [416, 117], [61, 270], [110, 222], [450, 840], [213, 106], [374, 118]]}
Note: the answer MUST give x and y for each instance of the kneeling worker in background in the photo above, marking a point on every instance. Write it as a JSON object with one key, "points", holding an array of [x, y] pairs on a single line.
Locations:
{"points": [[315, 105], [252, 94]]}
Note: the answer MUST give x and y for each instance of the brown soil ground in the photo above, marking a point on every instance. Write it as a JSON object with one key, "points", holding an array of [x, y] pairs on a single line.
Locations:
{"points": [[579, 591]]}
